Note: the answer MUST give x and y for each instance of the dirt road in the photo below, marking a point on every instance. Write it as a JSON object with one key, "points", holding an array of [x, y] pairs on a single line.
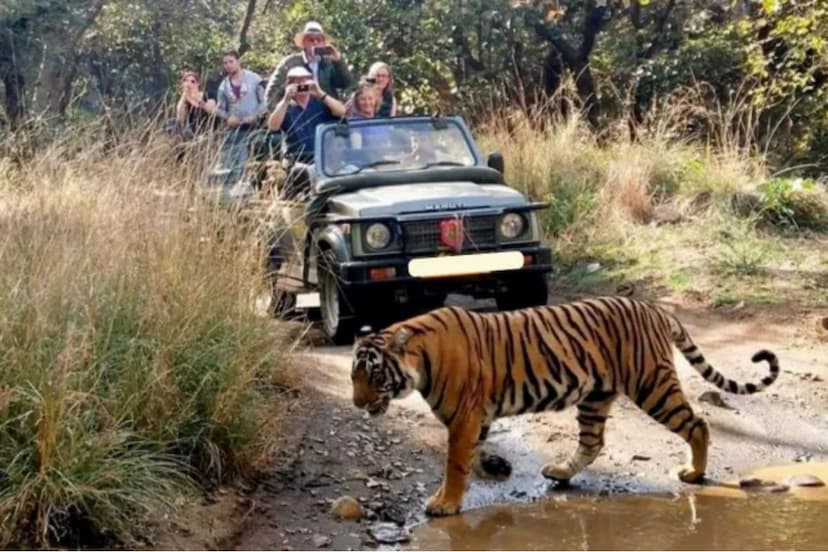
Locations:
{"points": [[393, 463]]}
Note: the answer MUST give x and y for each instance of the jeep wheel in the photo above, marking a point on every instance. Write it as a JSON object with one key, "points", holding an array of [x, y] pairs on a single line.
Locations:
{"points": [[336, 310], [531, 291]]}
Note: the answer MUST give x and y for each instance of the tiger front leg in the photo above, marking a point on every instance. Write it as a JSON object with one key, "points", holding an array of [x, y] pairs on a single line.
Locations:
{"points": [[461, 444]]}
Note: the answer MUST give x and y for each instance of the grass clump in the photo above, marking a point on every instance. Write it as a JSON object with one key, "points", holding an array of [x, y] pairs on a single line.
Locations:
{"points": [[132, 363]]}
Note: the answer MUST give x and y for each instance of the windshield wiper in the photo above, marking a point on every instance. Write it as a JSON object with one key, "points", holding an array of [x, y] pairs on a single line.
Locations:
{"points": [[377, 163], [443, 163]]}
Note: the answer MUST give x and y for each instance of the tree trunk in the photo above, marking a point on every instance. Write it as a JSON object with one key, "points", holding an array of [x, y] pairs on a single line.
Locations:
{"points": [[61, 54], [587, 91], [53, 87], [244, 44], [13, 82], [576, 60]]}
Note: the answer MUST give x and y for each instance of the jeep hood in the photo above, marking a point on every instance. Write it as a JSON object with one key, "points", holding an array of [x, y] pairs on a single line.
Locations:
{"points": [[424, 197]]}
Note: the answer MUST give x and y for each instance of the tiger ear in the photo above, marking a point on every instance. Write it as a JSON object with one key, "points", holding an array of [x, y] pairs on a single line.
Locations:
{"points": [[401, 337]]}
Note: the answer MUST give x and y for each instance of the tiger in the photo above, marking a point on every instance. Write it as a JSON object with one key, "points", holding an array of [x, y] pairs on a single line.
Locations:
{"points": [[475, 367]]}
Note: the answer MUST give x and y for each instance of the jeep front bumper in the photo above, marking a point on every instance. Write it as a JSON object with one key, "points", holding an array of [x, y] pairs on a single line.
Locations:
{"points": [[426, 270]]}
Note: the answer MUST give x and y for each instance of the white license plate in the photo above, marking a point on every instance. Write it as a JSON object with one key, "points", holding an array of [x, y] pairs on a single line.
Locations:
{"points": [[460, 265], [307, 300]]}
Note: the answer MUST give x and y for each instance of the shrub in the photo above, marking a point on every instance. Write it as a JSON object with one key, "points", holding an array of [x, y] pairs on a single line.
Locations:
{"points": [[796, 203]]}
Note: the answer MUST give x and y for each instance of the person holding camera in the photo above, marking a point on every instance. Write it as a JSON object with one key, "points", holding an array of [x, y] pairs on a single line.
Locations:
{"points": [[195, 106], [319, 57], [303, 106]]}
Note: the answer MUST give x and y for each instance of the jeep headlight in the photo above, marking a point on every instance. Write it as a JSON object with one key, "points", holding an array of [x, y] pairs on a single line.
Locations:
{"points": [[377, 236], [512, 226]]}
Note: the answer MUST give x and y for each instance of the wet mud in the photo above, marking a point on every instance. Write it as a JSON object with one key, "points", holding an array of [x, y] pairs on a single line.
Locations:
{"points": [[721, 516]]}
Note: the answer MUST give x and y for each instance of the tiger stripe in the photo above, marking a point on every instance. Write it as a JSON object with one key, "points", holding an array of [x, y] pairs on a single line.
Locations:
{"points": [[472, 368]]}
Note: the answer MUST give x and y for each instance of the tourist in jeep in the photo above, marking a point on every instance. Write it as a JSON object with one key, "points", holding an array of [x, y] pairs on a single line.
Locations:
{"points": [[363, 105], [240, 105], [380, 74], [303, 107], [320, 57]]}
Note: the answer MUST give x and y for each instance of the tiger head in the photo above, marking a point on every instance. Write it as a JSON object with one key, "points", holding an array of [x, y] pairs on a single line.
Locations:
{"points": [[382, 369]]}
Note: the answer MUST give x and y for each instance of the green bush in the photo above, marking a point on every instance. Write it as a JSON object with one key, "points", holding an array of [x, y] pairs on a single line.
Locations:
{"points": [[795, 203]]}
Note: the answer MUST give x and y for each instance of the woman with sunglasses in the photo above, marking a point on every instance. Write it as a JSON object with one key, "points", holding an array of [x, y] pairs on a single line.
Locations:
{"points": [[380, 74]]}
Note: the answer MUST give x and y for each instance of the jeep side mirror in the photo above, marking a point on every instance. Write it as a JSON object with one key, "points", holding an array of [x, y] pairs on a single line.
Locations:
{"points": [[495, 161]]}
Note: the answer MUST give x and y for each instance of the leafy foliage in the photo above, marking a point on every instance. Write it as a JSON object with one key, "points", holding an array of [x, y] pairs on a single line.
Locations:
{"points": [[475, 57], [796, 203]]}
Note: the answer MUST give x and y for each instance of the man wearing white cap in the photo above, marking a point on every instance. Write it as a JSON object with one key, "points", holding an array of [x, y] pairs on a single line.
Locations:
{"points": [[318, 56], [303, 106]]}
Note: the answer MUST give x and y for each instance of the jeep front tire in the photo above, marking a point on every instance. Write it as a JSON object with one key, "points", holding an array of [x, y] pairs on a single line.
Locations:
{"points": [[337, 310]]}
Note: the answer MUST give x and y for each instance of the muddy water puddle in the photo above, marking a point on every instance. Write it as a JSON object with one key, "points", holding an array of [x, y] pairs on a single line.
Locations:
{"points": [[722, 516]]}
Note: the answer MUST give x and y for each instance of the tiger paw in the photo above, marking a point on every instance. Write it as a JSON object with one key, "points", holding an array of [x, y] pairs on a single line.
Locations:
{"points": [[491, 466], [437, 505], [688, 474], [558, 472]]}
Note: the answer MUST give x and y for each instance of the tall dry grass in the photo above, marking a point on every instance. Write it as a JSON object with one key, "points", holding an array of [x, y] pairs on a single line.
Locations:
{"points": [[695, 159], [601, 188], [133, 365]]}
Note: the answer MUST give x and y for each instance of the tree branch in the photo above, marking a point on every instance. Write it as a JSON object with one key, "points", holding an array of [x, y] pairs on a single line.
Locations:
{"points": [[244, 45], [553, 37], [658, 32], [635, 15], [594, 22]]}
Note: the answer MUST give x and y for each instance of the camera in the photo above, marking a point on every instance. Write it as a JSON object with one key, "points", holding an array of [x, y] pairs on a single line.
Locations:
{"points": [[302, 87], [372, 80], [323, 50]]}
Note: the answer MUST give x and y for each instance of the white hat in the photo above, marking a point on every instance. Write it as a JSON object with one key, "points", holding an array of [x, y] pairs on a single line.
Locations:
{"points": [[310, 27], [298, 71]]}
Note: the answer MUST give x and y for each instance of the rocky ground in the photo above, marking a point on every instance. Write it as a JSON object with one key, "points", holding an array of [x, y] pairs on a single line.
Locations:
{"points": [[335, 458]]}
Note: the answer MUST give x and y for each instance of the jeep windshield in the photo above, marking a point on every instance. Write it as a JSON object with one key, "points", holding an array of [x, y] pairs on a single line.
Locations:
{"points": [[392, 145]]}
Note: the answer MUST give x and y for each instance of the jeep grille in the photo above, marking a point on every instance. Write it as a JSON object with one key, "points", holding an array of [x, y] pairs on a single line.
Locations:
{"points": [[424, 235]]}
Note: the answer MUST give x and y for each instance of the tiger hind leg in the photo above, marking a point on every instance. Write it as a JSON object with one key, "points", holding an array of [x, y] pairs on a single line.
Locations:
{"points": [[592, 418], [667, 404], [487, 465]]}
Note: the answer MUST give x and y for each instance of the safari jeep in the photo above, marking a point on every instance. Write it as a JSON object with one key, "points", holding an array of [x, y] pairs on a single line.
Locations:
{"points": [[396, 214]]}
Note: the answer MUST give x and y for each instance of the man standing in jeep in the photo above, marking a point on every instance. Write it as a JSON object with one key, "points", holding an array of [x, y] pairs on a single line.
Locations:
{"points": [[318, 56], [241, 105]]}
